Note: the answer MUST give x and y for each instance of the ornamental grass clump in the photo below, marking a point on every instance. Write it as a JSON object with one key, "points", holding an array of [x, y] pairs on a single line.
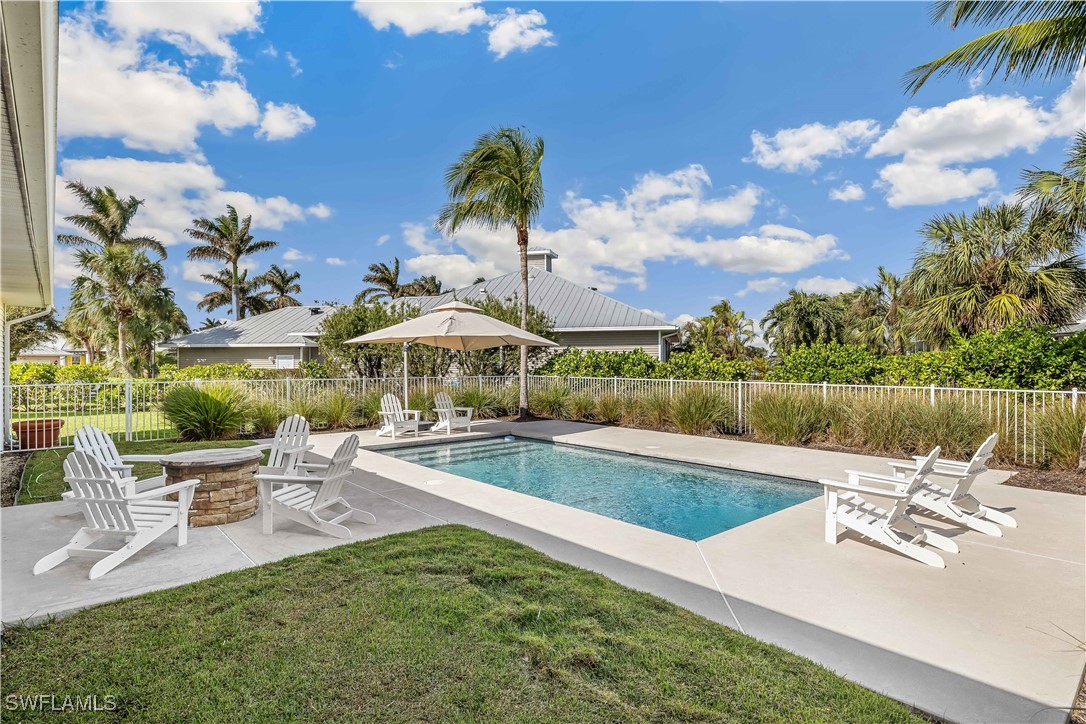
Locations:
{"points": [[609, 408], [308, 405], [265, 414], [367, 407], [698, 411], [881, 425], [485, 404], [213, 411], [581, 406], [1059, 433], [654, 409], [788, 418], [339, 409], [951, 424], [552, 401]]}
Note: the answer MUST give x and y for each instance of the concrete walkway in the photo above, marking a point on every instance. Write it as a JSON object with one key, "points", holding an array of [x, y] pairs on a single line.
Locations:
{"points": [[996, 636]]}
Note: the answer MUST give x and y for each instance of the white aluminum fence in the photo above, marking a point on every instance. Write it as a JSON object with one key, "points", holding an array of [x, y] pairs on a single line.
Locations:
{"points": [[131, 410]]}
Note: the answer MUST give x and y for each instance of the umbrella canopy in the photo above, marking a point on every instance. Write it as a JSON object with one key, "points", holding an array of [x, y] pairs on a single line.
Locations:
{"points": [[458, 326]]}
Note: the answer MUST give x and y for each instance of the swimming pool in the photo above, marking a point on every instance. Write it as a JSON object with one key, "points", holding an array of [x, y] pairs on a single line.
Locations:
{"points": [[689, 501]]}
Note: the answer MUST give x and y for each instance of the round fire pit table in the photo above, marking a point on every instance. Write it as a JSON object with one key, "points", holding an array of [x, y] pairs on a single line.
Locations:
{"points": [[227, 489]]}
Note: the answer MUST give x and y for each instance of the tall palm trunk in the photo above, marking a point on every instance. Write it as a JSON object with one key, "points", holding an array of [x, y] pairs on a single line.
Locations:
{"points": [[235, 290], [122, 343], [522, 242]]}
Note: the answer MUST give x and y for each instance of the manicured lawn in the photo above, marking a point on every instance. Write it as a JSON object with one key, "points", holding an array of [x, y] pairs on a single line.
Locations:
{"points": [[445, 623], [43, 478], [145, 423]]}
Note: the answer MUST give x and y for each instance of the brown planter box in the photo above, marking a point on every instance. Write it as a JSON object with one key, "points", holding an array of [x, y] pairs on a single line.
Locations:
{"points": [[37, 433]]}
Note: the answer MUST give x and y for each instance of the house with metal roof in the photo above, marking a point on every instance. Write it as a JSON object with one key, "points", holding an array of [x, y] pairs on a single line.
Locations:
{"points": [[582, 317], [279, 339]]}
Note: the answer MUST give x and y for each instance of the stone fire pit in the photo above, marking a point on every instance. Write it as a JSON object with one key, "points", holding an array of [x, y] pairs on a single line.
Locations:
{"points": [[227, 489]]}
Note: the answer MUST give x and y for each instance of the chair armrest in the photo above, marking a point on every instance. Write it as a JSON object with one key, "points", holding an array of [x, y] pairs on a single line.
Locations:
{"points": [[858, 475], [468, 410], [282, 479], [312, 466], [161, 492], [944, 463], [416, 413], [301, 448], [882, 492], [141, 458]]}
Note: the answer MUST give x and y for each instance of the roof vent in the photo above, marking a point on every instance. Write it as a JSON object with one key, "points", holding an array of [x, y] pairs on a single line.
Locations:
{"points": [[314, 310], [540, 258]]}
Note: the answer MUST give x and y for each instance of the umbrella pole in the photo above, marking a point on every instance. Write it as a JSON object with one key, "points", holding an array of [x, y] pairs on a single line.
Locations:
{"points": [[406, 404]]}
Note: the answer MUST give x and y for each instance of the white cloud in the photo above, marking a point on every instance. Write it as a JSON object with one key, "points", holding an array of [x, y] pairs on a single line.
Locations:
{"points": [[65, 267], [976, 80], [761, 286], [292, 254], [193, 271], [825, 285], [683, 319], [175, 192], [335, 261], [935, 143], [295, 66], [848, 192], [196, 29], [194, 297], [517, 31], [283, 120], [382, 239], [413, 18], [320, 211], [799, 149], [655, 313], [608, 242]]}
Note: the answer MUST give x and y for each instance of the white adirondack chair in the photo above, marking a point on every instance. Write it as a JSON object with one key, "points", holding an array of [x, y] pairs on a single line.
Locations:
{"points": [[449, 416], [846, 505], [395, 419], [93, 441], [312, 493], [111, 512], [955, 503], [289, 446]]}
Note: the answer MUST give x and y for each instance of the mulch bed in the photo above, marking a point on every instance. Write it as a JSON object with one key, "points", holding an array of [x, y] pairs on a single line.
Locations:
{"points": [[11, 473]]}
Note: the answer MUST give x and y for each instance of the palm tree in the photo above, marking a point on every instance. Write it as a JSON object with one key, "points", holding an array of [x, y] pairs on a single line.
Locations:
{"points": [[245, 294], [879, 315], [210, 323], [227, 239], [110, 258], [726, 332], [158, 321], [384, 281], [281, 284], [1041, 38], [1058, 198], [993, 268], [803, 318], [424, 286], [498, 184]]}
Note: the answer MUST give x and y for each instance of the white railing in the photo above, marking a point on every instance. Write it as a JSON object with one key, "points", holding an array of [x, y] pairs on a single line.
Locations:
{"points": [[131, 410]]}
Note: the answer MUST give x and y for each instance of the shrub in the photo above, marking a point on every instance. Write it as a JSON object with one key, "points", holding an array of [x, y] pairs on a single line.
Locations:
{"points": [[608, 408], [339, 409], [880, 425], [950, 424], [509, 399], [655, 409], [210, 412], [698, 411], [1059, 430], [485, 403], [367, 408], [217, 371], [308, 405], [581, 406], [574, 362], [552, 401], [921, 369], [33, 373], [424, 403], [265, 415], [82, 373], [788, 418], [700, 364], [838, 422], [845, 364]]}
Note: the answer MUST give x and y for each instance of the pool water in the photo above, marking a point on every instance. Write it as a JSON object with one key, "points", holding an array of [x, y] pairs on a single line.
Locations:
{"points": [[689, 501]]}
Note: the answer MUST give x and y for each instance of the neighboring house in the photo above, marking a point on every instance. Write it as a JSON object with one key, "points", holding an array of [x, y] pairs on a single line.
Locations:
{"points": [[279, 339], [55, 351], [582, 316]]}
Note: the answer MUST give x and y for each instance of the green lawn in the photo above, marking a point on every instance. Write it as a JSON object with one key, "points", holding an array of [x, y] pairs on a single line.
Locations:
{"points": [[147, 423], [43, 478], [441, 624]]}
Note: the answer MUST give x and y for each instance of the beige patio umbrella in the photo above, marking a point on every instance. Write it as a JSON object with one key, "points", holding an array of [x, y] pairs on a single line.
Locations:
{"points": [[453, 325]]}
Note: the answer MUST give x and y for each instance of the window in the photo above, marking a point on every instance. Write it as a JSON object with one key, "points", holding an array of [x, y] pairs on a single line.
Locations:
{"points": [[284, 362]]}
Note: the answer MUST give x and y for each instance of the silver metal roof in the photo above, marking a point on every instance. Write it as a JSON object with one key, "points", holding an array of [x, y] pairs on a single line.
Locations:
{"points": [[277, 328], [570, 306]]}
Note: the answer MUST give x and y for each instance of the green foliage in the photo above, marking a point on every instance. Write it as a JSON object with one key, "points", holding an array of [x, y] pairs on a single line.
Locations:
{"points": [[314, 370], [307, 404], [82, 373], [700, 364], [1059, 430], [832, 362], [217, 371], [552, 401], [581, 406], [338, 409], [27, 334], [485, 403], [215, 411], [788, 418], [920, 369], [374, 360], [609, 408], [655, 409], [699, 411], [495, 361], [33, 373], [574, 362], [265, 413]]}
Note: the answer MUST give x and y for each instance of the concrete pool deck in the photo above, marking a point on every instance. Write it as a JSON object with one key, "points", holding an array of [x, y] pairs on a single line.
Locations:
{"points": [[996, 636]]}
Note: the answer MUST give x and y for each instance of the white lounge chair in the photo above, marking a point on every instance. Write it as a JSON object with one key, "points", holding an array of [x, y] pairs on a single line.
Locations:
{"points": [[93, 441], [846, 505], [956, 503], [111, 512], [450, 416], [312, 492], [396, 419], [289, 446]]}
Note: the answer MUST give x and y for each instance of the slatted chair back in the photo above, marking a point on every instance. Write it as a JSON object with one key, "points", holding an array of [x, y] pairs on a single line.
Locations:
{"points": [[339, 469], [924, 468], [391, 407], [90, 439], [292, 433], [977, 465], [99, 493], [443, 402]]}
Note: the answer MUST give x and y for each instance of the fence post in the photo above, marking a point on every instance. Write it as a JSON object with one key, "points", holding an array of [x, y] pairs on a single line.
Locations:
{"points": [[1074, 399], [128, 409], [739, 407], [614, 386], [824, 390], [932, 395], [671, 388], [288, 389]]}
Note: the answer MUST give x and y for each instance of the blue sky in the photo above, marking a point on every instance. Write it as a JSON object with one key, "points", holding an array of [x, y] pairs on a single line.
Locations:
{"points": [[694, 150]]}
